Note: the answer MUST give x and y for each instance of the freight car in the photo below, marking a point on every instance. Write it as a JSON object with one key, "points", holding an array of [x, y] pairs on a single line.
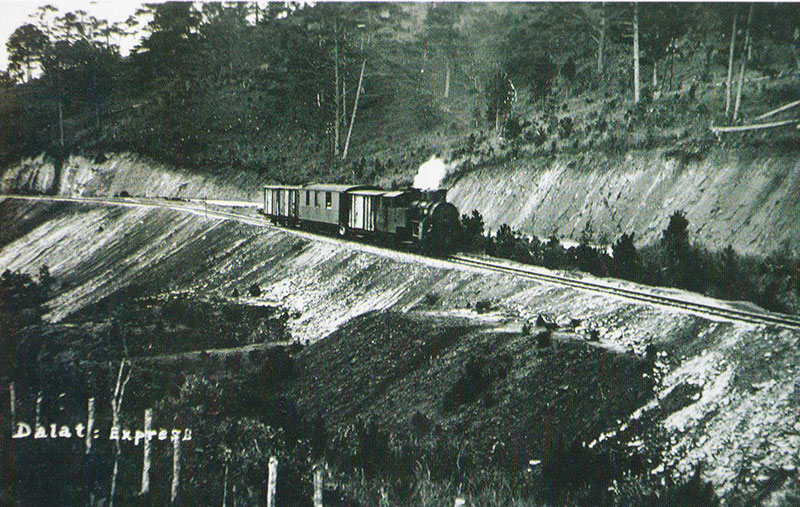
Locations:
{"points": [[420, 218]]}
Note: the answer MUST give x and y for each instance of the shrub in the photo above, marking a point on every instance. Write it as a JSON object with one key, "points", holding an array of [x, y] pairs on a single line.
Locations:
{"points": [[553, 254], [505, 239], [472, 227], [625, 258], [476, 378], [483, 306], [543, 337]]}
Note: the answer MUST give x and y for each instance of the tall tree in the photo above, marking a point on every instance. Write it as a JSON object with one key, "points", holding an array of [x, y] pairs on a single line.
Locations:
{"points": [[744, 57], [26, 51], [442, 37], [729, 81]]}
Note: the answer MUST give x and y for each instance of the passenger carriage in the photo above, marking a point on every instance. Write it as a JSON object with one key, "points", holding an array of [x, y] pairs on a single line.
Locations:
{"points": [[280, 203]]}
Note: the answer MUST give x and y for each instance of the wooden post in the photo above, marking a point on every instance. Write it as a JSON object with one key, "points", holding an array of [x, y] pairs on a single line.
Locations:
{"points": [[176, 467], [225, 486], [148, 423], [318, 478], [89, 424], [13, 401], [39, 409], [272, 481]]}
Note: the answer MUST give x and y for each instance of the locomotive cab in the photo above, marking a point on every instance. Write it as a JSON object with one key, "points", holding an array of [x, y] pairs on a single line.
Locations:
{"points": [[434, 223]]}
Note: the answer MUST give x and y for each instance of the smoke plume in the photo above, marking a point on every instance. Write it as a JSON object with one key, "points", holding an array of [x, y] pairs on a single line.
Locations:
{"points": [[431, 174]]}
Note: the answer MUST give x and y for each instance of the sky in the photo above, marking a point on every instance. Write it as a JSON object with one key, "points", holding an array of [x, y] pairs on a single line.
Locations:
{"points": [[14, 13]]}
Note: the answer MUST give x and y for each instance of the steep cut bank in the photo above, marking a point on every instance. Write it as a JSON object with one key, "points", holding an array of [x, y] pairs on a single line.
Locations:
{"points": [[125, 172], [749, 201]]}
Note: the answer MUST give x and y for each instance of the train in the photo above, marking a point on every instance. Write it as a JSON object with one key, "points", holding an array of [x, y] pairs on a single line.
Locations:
{"points": [[420, 219]]}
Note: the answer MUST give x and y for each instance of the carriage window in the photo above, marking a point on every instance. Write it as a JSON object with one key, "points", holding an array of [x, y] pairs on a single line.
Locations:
{"points": [[308, 198], [328, 202], [316, 199]]}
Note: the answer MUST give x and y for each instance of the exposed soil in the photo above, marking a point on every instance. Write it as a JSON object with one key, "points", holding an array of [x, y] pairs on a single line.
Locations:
{"points": [[411, 347]]}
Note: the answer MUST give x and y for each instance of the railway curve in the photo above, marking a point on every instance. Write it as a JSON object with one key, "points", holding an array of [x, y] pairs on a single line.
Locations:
{"points": [[211, 209]]}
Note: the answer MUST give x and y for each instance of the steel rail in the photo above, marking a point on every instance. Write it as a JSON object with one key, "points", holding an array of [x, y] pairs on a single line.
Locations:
{"points": [[768, 318], [702, 309]]}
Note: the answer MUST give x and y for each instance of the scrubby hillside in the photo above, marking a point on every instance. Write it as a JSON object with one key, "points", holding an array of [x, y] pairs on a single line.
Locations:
{"points": [[409, 364]]}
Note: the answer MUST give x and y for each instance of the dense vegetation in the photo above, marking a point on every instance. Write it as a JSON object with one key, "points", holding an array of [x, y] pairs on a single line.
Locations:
{"points": [[772, 282], [367, 91]]}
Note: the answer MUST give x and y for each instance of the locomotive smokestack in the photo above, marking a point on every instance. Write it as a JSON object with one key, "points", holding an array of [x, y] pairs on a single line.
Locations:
{"points": [[431, 174]]}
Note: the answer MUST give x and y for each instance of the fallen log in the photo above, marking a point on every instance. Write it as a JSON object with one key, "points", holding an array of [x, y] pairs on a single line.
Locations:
{"points": [[776, 111], [741, 128]]}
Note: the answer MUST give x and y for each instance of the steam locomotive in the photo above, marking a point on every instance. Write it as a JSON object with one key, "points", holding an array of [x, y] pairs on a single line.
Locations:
{"points": [[422, 219]]}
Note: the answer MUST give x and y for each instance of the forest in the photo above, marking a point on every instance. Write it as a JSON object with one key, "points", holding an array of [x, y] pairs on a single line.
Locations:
{"points": [[367, 91]]}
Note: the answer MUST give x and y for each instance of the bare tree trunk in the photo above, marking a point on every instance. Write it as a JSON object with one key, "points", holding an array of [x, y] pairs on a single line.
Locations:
{"points": [[272, 479], [655, 76], [447, 79], [730, 67], [60, 121], [318, 471], [336, 90], [225, 486], [671, 64], [743, 68], [344, 103], [355, 109], [12, 397], [601, 43], [636, 91]]}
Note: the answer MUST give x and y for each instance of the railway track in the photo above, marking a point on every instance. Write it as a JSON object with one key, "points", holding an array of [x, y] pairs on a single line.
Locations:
{"points": [[766, 318], [648, 297]]}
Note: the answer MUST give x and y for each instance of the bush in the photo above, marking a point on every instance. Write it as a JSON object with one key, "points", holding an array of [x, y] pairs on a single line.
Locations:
{"points": [[478, 375], [571, 467], [625, 260], [472, 231], [543, 337], [553, 254], [505, 239], [483, 306]]}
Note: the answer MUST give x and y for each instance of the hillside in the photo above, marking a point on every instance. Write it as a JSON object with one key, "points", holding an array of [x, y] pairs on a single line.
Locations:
{"points": [[731, 197], [659, 394]]}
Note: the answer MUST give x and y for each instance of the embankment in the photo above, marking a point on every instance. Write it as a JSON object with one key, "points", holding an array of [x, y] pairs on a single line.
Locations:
{"points": [[730, 197]]}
